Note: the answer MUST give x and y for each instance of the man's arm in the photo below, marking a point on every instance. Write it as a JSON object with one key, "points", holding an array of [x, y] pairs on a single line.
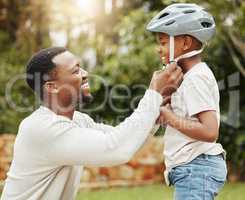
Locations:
{"points": [[106, 145], [175, 76], [113, 145]]}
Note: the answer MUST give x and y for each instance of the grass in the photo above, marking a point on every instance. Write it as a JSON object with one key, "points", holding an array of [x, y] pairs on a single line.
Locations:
{"points": [[234, 191], [231, 191]]}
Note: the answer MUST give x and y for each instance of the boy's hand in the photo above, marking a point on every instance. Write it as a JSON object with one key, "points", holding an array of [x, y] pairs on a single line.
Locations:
{"points": [[166, 100], [164, 113], [167, 81]]}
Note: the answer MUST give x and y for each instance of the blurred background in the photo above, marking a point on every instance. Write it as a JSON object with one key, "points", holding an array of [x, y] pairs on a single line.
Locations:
{"points": [[109, 37]]}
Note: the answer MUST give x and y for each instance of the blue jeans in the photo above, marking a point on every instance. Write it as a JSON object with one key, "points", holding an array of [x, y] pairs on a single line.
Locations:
{"points": [[201, 179]]}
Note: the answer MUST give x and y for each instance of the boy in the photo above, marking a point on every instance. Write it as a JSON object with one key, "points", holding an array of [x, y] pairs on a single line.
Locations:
{"points": [[195, 163]]}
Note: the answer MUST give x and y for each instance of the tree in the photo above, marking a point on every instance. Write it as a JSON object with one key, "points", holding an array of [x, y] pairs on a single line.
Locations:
{"points": [[23, 30]]}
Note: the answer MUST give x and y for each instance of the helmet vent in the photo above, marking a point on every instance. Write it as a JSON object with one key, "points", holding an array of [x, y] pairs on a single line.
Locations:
{"points": [[163, 15], [206, 24], [183, 6], [170, 22], [188, 11]]}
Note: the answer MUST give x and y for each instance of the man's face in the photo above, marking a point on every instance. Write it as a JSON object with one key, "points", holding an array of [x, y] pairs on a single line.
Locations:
{"points": [[71, 81], [179, 42]]}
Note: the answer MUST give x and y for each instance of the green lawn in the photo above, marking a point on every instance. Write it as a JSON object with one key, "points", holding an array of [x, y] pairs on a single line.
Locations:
{"points": [[155, 192]]}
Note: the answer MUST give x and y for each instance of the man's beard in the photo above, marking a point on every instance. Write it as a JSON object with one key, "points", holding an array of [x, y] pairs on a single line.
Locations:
{"points": [[86, 99]]}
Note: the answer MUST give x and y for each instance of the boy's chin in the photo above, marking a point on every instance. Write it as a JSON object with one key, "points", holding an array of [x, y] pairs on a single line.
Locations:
{"points": [[165, 60]]}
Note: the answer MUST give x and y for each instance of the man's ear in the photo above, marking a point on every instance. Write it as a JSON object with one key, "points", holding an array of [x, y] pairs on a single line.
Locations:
{"points": [[187, 42], [51, 87]]}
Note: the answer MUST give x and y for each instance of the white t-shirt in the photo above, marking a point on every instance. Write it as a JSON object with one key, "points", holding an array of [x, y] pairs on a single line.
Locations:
{"points": [[50, 149], [197, 93]]}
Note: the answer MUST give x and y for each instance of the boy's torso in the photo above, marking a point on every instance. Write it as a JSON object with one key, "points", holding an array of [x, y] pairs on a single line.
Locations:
{"points": [[179, 148]]}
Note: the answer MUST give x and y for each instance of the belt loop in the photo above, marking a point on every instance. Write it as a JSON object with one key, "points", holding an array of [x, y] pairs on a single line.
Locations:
{"points": [[222, 156], [206, 157]]}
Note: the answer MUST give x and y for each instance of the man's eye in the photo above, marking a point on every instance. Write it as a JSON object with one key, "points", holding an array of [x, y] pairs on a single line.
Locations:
{"points": [[76, 71]]}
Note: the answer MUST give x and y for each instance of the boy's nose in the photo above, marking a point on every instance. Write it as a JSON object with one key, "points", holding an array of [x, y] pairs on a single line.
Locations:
{"points": [[162, 52], [159, 50]]}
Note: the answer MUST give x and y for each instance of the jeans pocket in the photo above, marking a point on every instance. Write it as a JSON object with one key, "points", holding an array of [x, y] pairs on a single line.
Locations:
{"points": [[219, 173], [216, 181], [180, 175]]}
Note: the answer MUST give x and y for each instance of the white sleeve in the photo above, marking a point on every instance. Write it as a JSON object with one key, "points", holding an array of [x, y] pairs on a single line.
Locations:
{"points": [[198, 95], [105, 128], [103, 145]]}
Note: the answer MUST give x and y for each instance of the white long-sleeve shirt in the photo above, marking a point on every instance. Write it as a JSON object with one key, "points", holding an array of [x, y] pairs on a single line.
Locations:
{"points": [[50, 149]]}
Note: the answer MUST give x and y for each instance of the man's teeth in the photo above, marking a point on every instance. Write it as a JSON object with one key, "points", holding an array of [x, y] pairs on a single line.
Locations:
{"points": [[85, 85]]}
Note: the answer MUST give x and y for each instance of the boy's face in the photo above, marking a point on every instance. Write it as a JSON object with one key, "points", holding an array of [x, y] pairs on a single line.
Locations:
{"points": [[180, 46]]}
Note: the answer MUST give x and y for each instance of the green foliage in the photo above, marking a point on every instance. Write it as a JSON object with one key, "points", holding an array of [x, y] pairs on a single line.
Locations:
{"points": [[23, 30], [14, 95], [131, 63]]}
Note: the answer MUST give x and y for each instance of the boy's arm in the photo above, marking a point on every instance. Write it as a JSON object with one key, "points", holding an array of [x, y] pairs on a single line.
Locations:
{"points": [[206, 129], [200, 95]]}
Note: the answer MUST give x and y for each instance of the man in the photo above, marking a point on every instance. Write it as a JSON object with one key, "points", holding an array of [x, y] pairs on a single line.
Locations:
{"points": [[56, 140]]}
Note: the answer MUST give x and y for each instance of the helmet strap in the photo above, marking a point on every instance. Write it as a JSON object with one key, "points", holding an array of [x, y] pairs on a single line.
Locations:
{"points": [[171, 49], [189, 54]]}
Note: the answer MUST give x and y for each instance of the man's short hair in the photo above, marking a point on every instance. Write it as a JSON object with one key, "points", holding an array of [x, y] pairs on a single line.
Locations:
{"points": [[40, 65]]}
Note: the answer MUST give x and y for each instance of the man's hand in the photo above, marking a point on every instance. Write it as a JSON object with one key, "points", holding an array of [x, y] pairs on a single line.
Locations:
{"points": [[164, 112], [166, 100], [167, 81]]}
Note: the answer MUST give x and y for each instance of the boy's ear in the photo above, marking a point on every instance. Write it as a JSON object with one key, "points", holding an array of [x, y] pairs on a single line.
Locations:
{"points": [[187, 42]]}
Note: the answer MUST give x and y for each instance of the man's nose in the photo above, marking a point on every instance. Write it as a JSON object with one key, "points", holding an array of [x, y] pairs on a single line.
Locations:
{"points": [[84, 73]]}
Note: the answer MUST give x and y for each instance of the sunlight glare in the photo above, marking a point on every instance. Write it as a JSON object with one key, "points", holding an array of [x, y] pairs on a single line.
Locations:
{"points": [[88, 7]]}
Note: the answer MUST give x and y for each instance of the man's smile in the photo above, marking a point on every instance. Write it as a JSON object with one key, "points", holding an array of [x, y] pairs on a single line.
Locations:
{"points": [[85, 85]]}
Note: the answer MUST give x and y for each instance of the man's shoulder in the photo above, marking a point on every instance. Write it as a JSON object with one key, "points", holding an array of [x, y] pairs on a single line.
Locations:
{"points": [[82, 119], [32, 130], [37, 118], [40, 122], [31, 120], [78, 114]]}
